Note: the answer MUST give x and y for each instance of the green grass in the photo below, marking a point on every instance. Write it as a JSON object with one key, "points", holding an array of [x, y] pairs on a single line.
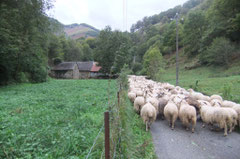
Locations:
{"points": [[135, 141], [211, 80], [56, 119]]}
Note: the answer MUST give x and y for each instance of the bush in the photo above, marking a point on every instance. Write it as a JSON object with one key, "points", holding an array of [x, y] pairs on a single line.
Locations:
{"points": [[153, 62], [227, 92], [219, 53], [136, 67], [123, 79], [39, 74]]}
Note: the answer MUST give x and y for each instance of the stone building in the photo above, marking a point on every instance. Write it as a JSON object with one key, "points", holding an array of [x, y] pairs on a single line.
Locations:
{"points": [[76, 70]]}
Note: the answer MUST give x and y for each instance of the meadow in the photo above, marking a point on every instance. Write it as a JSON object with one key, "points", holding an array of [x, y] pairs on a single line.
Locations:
{"points": [[55, 119], [61, 119], [207, 79]]}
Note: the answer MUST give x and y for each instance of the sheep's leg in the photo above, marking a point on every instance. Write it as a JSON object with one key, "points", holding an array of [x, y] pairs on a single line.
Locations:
{"points": [[225, 129], [193, 125], [173, 121], [146, 123], [231, 128]]}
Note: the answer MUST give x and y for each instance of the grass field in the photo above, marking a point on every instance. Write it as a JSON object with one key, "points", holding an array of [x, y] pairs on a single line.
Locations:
{"points": [[56, 119], [61, 118], [211, 80]]}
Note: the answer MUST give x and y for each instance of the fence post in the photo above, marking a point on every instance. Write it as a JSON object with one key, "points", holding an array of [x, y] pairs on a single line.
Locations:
{"points": [[107, 143], [118, 97]]}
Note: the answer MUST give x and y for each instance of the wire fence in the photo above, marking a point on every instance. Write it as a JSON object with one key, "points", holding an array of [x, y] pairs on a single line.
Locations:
{"points": [[114, 131]]}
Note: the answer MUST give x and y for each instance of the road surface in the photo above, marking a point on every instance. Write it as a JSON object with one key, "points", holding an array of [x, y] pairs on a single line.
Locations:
{"points": [[203, 144]]}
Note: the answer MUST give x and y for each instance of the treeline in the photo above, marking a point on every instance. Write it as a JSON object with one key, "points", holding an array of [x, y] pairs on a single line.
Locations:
{"points": [[23, 40], [30, 42], [209, 30]]}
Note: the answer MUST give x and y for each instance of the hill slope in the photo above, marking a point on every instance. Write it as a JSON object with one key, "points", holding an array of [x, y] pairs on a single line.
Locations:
{"points": [[76, 31]]}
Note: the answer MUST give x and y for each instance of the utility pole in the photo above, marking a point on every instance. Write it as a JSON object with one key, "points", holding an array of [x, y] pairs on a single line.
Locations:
{"points": [[177, 66]]}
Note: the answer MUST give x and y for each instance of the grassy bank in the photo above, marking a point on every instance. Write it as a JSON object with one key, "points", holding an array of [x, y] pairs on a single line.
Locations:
{"points": [[209, 80], [129, 132]]}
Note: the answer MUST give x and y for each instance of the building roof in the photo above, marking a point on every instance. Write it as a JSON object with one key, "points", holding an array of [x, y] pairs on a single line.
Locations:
{"points": [[64, 66], [95, 68], [89, 66], [85, 66]]}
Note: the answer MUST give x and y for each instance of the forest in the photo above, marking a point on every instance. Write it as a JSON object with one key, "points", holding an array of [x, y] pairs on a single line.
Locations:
{"points": [[31, 42]]}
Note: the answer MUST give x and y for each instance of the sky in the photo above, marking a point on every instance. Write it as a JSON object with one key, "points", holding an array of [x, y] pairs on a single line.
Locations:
{"points": [[119, 14]]}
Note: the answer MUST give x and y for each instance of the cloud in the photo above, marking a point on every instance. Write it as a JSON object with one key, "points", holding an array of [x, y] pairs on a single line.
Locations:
{"points": [[100, 13]]}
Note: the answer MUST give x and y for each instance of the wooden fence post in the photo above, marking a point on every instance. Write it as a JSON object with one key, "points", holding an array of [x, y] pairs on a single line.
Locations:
{"points": [[107, 143]]}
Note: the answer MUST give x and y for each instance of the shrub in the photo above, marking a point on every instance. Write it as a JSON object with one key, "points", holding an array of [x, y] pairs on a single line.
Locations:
{"points": [[227, 92], [136, 67], [219, 53], [153, 62]]}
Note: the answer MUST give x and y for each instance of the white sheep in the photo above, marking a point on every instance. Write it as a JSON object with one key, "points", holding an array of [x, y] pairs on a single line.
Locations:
{"points": [[197, 95], [237, 109], [233, 116], [171, 113], [216, 102], [227, 103], [132, 96], [187, 115], [216, 97], [148, 114], [138, 103]]}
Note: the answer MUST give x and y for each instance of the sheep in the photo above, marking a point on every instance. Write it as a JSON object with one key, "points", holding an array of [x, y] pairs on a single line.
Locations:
{"points": [[227, 103], [148, 114], [132, 96], [222, 118], [187, 115], [161, 104], [198, 96], [138, 103], [139, 93], [171, 113], [233, 116], [216, 103], [154, 102], [206, 113], [237, 109], [176, 99], [216, 97]]}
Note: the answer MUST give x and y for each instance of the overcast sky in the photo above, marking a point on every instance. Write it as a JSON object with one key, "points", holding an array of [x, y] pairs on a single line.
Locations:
{"points": [[119, 14]]}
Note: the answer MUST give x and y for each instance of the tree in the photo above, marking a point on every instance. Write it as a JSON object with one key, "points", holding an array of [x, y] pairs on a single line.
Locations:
{"points": [[220, 52], [108, 43], [23, 36], [73, 52], [122, 57], [87, 52], [194, 27], [153, 62]]}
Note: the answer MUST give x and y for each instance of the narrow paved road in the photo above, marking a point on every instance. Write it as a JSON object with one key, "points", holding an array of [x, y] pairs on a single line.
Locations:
{"points": [[203, 144]]}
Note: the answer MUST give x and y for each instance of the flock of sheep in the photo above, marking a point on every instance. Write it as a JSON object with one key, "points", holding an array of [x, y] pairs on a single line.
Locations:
{"points": [[152, 99]]}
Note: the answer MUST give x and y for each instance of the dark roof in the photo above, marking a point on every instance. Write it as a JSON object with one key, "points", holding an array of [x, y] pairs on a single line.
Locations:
{"points": [[95, 68], [85, 66], [64, 66]]}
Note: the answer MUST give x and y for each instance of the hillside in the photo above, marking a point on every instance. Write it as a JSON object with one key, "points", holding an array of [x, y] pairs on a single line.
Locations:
{"points": [[76, 31]]}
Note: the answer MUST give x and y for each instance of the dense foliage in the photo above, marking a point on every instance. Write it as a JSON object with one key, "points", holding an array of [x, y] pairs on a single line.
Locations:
{"points": [[23, 34], [200, 25]]}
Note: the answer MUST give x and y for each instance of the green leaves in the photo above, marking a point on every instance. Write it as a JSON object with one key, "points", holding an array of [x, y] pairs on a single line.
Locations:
{"points": [[153, 62]]}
